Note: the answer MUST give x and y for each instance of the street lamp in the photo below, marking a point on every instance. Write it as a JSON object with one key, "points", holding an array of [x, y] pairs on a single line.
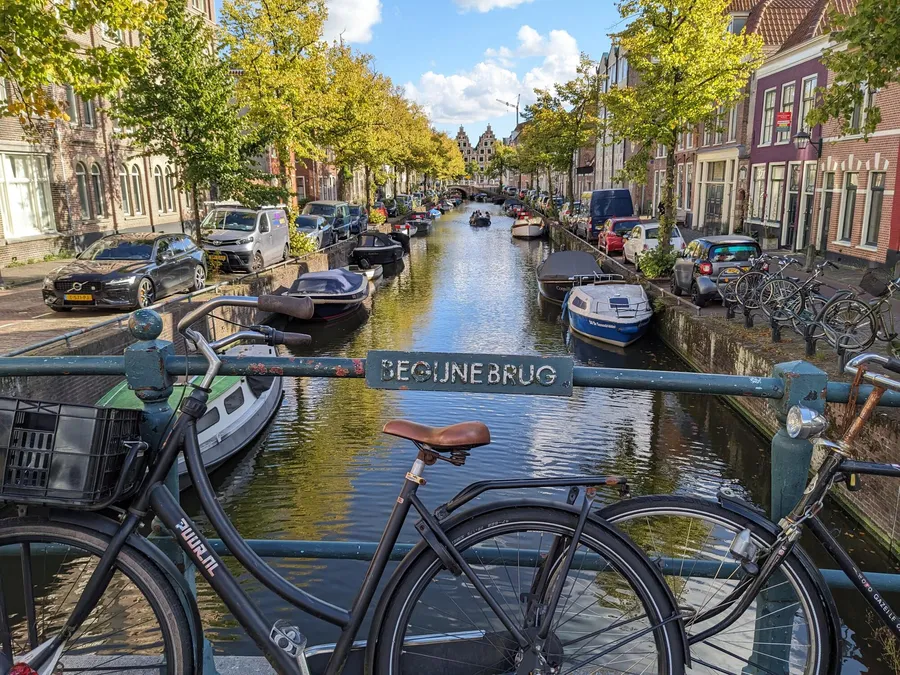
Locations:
{"points": [[802, 141]]}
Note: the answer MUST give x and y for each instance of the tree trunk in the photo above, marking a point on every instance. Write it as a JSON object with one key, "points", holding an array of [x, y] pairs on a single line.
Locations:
{"points": [[669, 217], [368, 189], [282, 172], [570, 190], [195, 203], [549, 182]]}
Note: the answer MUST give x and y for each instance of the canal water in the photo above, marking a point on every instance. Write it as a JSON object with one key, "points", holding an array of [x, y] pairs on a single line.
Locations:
{"points": [[325, 471]]}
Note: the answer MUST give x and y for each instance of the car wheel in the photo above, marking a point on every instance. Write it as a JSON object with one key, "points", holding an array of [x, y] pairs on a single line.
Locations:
{"points": [[61, 309], [199, 279], [676, 289], [146, 293], [257, 263], [696, 298], [287, 252]]}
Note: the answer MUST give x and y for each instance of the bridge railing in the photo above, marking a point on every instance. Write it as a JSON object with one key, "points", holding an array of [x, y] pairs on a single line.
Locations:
{"points": [[150, 366]]}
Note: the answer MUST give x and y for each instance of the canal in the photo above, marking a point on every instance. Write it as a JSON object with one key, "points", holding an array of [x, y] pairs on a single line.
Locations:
{"points": [[325, 471]]}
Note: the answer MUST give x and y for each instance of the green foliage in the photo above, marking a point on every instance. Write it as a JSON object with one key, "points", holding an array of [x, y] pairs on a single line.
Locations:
{"points": [[37, 49], [376, 217], [402, 210], [688, 65], [302, 243], [472, 169], [504, 159], [657, 262], [868, 59]]}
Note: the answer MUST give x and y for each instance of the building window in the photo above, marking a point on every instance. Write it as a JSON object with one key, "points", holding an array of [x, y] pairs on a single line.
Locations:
{"points": [[776, 193], [84, 199], [876, 201], [660, 150], [679, 192], [768, 117], [720, 125], [689, 141], [732, 123], [851, 185], [170, 190], [679, 141], [137, 195], [4, 95], [758, 192], [90, 114], [707, 132], [807, 102], [74, 105], [786, 110], [97, 189], [123, 186], [158, 181], [25, 195], [737, 23], [689, 188]]}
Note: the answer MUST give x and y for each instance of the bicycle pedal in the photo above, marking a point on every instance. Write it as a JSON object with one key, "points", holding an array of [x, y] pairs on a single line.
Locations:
{"points": [[289, 639]]}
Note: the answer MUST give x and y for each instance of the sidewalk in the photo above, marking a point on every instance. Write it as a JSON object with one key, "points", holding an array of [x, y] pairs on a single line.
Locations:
{"points": [[33, 273]]}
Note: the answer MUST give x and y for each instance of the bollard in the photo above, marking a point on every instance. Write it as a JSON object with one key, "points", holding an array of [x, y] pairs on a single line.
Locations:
{"points": [[729, 310], [809, 337], [776, 329], [748, 317]]}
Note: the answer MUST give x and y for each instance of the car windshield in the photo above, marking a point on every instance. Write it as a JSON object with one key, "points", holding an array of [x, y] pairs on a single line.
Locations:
{"points": [[118, 248], [733, 252], [355, 210], [653, 233], [307, 223], [316, 209], [625, 226], [228, 219]]}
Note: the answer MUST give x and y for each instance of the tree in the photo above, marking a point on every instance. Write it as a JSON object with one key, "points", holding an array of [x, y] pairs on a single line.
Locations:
{"points": [[472, 169], [37, 50], [868, 60], [535, 149], [180, 106], [688, 65], [283, 65], [504, 159]]}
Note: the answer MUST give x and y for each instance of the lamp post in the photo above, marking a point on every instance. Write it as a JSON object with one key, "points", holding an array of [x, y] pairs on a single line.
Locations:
{"points": [[803, 139]]}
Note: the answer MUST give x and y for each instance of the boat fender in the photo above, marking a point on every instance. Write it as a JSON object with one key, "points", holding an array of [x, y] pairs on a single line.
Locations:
{"points": [[564, 315], [259, 384]]}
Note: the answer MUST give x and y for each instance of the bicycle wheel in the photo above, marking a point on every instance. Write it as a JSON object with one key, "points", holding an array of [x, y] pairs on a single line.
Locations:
{"points": [[727, 290], [849, 324], [781, 299], [812, 310], [609, 617], [746, 289], [138, 625], [785, 630]]}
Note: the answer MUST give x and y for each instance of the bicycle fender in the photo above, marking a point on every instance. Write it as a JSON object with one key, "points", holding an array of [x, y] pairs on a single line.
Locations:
{"points": [[758, 517], [479, 510], [108, 527]]}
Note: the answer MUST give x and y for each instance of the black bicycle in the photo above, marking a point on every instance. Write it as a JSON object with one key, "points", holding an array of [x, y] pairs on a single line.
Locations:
{"points": [[756, 601], [518, 586]]}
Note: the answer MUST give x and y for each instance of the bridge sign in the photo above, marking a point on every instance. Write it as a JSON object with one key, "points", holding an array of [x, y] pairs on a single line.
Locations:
{"points": [[491, 373]]}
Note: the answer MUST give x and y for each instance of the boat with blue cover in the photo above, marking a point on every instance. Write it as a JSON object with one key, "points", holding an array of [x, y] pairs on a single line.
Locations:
{"points": [[603, 307]]}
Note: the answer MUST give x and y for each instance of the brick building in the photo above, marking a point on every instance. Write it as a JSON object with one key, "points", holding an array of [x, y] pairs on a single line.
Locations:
{"points": [[480, 153], [81, 179]]}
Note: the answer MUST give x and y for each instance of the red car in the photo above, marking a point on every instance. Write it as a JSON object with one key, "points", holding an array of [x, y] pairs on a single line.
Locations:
{"points": [[379, 206], [610, 236]]}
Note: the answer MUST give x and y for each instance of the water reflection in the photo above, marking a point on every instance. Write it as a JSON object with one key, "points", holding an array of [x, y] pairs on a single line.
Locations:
{"points": [[326, 472]]}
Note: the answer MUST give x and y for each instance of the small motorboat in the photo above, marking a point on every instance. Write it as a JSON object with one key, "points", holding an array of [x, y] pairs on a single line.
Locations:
{"points": [[378, 248], [556, 274], [435, 213], [239, 410], [335, 293], [528, 226], [603, 307], [480, 220], [407, 227], [421, 221], [370, 272]]}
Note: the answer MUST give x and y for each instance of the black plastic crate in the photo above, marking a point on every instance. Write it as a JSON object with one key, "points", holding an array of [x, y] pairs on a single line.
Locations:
{"points": [[67, 455]]}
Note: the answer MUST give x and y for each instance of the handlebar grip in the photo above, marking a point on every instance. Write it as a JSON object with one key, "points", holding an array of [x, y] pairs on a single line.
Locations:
{"points": [[291, 339], [893, 365], [834, 265], [298, 308]]}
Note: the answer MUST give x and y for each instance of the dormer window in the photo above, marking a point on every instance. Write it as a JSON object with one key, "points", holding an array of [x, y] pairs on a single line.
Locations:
{"points": [[737, 23]]}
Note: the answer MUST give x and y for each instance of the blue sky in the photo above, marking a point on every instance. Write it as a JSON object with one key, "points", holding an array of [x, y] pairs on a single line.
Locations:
{"points": [[455, 57]]}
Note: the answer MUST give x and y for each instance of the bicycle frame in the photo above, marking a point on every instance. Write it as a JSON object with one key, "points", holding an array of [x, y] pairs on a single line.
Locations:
{"points": [[284, 653]]}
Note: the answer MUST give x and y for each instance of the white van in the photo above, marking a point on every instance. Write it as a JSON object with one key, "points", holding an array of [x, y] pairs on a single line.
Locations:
{"points": [[240, 238]]}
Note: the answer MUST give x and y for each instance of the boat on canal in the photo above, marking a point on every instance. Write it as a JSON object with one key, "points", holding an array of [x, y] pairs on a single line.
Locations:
{"points": [[528, 226], [334, 293], [407, 227], [556, 274], [239, 410], [370, 272], [421, 221], [377, 248], [603, 307], [479, 219]]}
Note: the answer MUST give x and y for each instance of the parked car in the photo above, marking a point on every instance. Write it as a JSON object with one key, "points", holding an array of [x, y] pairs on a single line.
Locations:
{"points": [[390, 205], [604, 204], [127, 271], [359, 219], [380, 206], [316, 227], [610, 238], [240, 238], [707, 260], [643, 237], [337, 213]]}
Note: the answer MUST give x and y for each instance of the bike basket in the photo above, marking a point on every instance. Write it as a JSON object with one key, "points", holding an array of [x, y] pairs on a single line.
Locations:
{"points": [[76, 456], [875, 281]]}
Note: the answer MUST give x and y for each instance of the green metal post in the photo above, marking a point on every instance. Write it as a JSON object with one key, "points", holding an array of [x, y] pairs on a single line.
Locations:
{"points": [[804, 384], [145, 372]]}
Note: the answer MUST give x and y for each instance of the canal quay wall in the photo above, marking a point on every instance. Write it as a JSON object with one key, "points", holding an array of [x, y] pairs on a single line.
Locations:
{"points": [[709, 343]]}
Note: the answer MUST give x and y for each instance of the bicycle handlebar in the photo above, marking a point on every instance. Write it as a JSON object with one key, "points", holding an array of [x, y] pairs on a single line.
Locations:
{"points": [[877, 379]]}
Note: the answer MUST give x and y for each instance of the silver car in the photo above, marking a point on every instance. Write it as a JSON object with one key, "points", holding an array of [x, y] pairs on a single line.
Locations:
{"points": [[316, 227], [240, 238]]}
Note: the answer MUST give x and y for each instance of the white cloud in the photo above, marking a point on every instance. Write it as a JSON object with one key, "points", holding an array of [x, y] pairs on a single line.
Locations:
{"points": [[352, 20], [487, 5], [471, 96]]}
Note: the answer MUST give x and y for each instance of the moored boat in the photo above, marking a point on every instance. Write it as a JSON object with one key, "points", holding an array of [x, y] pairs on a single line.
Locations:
{"points": [[334, 293], [370, 272], [556, 274], [605, 308], [407, 227], [378, 248], [239, 409], [421, 221], [528, 227]]}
